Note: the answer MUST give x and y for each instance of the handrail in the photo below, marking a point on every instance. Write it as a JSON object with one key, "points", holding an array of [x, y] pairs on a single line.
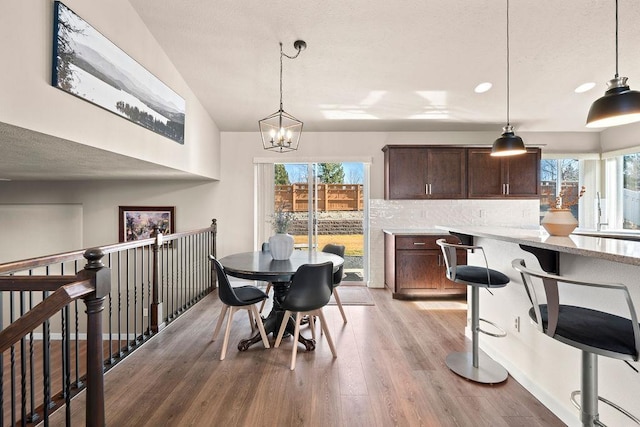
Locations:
{"points": [[162, 275], [32, 283], [15, 266], [43, 311]]}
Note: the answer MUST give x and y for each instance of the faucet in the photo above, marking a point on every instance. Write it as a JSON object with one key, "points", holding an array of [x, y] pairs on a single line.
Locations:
{"points": [[599, 224]]}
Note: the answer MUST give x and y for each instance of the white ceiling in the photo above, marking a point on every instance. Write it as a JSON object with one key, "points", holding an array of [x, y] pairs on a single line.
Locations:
{"points": [[397, 65], [370, 65]]}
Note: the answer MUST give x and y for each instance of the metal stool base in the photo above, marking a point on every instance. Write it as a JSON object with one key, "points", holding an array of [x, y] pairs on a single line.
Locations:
{"points": [[488, 371], [605, 401]]}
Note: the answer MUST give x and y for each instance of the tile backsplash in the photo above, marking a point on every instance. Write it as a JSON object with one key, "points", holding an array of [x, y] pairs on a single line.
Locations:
{"points": [[426, 214]]}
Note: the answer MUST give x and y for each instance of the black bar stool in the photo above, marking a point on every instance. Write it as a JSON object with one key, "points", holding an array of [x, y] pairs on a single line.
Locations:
{"points": [[474, 366], [592, 331]]}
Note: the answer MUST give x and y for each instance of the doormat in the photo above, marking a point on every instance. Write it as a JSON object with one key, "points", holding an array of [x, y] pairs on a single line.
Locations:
{"points": [[353, 295]]}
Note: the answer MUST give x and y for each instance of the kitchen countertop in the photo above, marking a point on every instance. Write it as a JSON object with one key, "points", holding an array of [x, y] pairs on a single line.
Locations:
{"points": [[623, 251], [413, 232]]}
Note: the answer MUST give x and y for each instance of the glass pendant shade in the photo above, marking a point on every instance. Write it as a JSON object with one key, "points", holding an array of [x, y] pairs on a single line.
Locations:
{"points": [[280, 132], [619, 106], [509, 144]]}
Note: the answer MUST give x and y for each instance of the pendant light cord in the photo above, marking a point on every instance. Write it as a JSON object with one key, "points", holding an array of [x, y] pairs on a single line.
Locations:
{"points": [[282, 54], [508, 121], [616, 39]]}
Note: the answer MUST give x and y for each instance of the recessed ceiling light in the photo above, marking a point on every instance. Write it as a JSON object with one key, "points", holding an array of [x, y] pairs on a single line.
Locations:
{"points": [[483, 87], [585, 87]]}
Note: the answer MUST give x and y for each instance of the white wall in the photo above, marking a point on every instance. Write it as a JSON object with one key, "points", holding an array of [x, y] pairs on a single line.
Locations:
{"points": [[52, 229], [620, 137], [29, 101], [195, 204]]}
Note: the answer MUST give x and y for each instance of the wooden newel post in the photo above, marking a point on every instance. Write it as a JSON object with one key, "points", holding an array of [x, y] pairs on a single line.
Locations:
{"points": [[101, 278], [156, 307], [214, 233]]}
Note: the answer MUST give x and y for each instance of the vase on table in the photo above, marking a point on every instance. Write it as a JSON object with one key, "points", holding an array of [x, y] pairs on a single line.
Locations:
{"points": [[559, 222], [281, 246]]}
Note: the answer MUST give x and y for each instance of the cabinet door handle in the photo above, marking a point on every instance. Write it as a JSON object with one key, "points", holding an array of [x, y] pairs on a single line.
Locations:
{"points": [[508, 189], [504, 189], [439, 260], [419, 243], [426, 189], [430, 189]]}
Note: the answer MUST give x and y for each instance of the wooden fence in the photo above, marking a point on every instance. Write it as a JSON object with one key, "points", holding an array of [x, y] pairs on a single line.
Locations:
{"points": [[331, 197], [548, 191]]}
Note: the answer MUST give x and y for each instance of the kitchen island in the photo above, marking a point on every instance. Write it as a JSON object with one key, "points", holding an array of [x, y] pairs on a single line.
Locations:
{"points": [[549, 369]]}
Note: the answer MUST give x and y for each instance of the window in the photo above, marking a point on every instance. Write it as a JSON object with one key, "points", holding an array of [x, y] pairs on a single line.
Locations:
{"points": [[631, 191], [559, 175]]}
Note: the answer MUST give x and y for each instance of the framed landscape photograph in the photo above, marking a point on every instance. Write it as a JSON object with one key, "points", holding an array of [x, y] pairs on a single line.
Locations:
{"points": [[86, 64], [137, 222]]}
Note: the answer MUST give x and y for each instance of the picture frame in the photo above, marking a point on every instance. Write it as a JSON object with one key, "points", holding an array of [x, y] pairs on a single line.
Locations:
{"points": [[89, 66], [137, 222]]}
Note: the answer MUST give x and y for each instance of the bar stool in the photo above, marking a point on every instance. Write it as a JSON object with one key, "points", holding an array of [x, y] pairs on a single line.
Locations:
{"points": [[592, 331], [474, 366]]}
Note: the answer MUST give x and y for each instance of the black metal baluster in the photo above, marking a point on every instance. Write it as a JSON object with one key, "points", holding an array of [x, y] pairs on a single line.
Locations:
{"points": [[12, 318], [33, 417], [1, 362], [66, 363], [127, 309], [111, 352], [23, 368], [79, 383], [135, 297], [120, 352], [46, 367]]}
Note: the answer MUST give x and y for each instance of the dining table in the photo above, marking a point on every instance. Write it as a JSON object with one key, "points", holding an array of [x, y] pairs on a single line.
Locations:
{"points": [[259, 265]]}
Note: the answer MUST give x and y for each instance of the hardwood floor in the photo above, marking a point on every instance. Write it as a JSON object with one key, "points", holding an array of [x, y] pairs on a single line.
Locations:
{"points": [[389, 371]]}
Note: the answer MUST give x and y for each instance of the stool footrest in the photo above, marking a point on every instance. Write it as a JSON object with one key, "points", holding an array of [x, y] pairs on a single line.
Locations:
{"points": [[500, 334], [607, 402]]}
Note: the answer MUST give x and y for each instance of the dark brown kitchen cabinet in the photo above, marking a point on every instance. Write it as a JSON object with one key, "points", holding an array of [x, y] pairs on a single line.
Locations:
{"points": [[414, 267], [423, 172], [503, 177]]}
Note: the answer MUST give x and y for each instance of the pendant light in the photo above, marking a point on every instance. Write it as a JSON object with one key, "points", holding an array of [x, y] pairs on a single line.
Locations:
{"points": [[281, 131], [509, 144], [619, 105]]}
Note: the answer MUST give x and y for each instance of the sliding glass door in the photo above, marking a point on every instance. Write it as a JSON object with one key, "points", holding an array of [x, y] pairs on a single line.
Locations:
{"points": [[328, 203]]}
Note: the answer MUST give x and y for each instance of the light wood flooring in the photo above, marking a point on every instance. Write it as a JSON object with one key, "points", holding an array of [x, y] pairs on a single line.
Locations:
{"points": [[389, 371]]}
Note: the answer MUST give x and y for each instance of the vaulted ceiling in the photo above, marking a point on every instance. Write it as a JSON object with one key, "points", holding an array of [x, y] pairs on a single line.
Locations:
{"points": [[370, 65], [398, 65]]}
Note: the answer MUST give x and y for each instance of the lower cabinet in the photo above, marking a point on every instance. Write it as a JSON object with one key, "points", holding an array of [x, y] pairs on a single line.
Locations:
{"points": [[415, 268]]}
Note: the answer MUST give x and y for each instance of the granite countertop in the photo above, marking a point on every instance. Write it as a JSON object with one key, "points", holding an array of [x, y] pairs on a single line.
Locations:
{"points": [[414, 232], [624, 251]]}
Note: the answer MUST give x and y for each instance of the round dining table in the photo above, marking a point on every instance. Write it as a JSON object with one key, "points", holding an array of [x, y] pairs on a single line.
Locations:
{"points": [[259, 265]]}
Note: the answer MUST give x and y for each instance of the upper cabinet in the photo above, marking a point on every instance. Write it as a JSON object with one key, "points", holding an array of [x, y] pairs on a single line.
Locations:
{"points": [[422, 172], [503, 177], [443, 172]]}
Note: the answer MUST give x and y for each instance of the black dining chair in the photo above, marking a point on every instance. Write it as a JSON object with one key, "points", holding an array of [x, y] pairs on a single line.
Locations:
{"points": [[586, 327], [310, 290], [338, 275], [238, 298]]}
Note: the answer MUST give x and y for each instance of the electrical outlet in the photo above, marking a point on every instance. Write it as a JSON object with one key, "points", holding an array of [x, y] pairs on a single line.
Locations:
{"points": [[145, 312], [516, 323]]}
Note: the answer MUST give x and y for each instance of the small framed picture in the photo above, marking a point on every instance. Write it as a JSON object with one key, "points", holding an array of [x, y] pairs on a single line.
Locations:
{"points": [[138, 222]]}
